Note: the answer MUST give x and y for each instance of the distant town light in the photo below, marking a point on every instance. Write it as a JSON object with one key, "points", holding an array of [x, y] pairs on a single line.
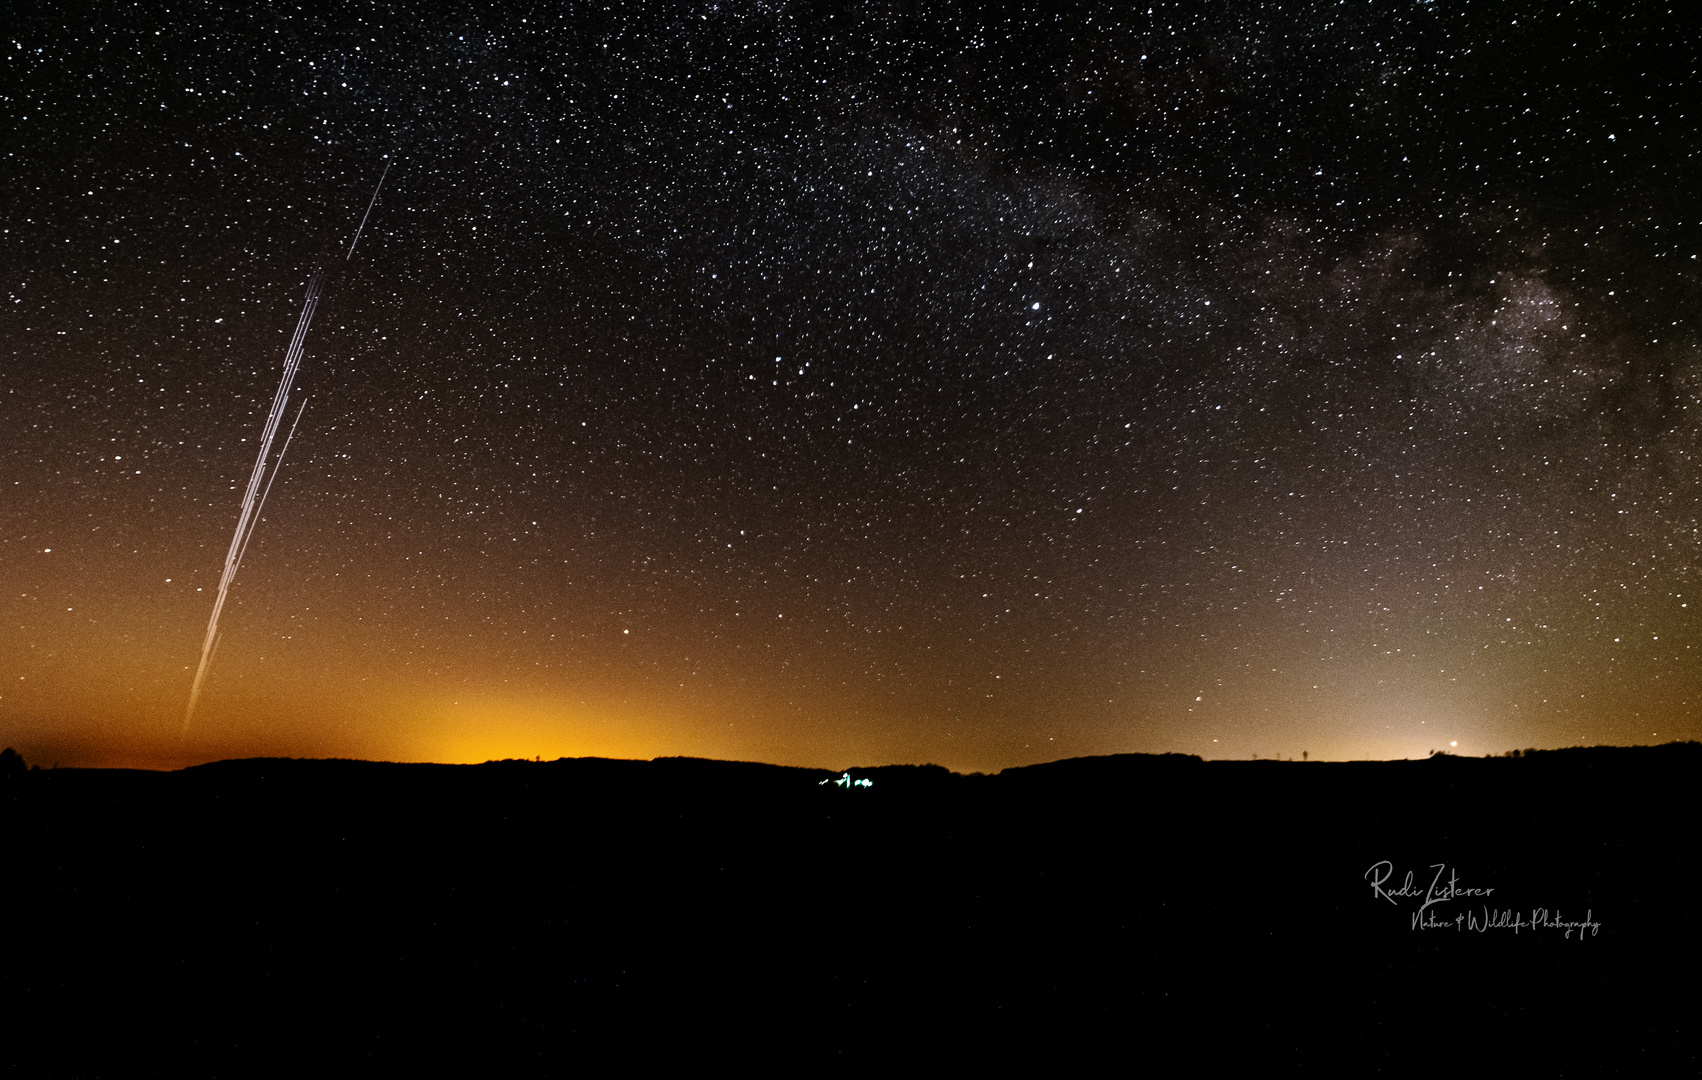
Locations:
{"points": [[847, 783]]}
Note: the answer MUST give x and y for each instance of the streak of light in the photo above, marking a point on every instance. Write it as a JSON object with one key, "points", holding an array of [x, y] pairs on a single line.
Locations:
{"points": [[253, 496], [258, 510], [368, 213]]}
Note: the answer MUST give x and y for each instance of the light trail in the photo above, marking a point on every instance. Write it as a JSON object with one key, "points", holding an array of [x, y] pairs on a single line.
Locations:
{"points": [[261, 508], [368, 213], [254, 496]]}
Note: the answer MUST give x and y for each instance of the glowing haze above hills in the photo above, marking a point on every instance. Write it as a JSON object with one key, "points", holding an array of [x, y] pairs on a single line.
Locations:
{"points": [[828, 384]]}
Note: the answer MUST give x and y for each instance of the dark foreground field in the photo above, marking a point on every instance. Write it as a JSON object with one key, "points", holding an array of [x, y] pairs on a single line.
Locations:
{"points": [[526, 918]]}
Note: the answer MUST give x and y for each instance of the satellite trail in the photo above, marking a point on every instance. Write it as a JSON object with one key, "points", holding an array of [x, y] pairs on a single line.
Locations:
{"points": [[368, 213], [264, 470], [265, 466]]}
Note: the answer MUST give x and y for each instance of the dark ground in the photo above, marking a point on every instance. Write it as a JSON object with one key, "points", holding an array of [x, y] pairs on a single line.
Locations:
{"points": [[525, 918]]}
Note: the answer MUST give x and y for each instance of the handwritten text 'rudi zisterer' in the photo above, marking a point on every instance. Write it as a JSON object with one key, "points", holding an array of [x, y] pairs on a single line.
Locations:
{"points": [[1429, 917]]}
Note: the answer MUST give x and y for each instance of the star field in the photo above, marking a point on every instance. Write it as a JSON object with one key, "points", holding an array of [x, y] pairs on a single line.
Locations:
{"points": [[849, 383]]}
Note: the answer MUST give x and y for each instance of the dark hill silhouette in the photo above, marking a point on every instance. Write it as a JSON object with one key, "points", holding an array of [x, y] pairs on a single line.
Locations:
{"points": [[1108, 768], [525, 918]]}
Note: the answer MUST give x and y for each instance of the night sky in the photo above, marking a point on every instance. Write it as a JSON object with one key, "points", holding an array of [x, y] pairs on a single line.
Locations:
{"points": [[833, 384]]}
